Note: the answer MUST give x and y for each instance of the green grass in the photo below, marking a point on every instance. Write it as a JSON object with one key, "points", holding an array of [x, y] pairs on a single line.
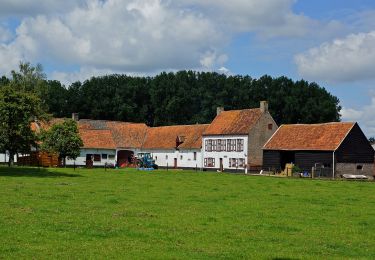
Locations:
{"points": [[61, 213]]}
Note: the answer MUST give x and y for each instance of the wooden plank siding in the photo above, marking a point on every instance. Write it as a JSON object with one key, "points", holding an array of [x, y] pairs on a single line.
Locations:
{"points": [[355, 148], [307, 159], [271, 160]]}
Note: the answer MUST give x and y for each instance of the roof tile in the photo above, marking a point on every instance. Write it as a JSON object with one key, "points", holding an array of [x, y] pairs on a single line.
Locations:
{"points": [[234, 122], [311, 137]]}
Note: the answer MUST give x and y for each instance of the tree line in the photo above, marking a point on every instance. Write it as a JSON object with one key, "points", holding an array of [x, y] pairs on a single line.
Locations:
{"points": [[185, 97]]}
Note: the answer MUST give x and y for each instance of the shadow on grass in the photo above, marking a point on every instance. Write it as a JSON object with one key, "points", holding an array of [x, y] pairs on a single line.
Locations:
{"points": [[33, 172]]}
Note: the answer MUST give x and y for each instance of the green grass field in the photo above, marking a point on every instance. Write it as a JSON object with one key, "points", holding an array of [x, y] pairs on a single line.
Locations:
{"points": [[61, 213]]}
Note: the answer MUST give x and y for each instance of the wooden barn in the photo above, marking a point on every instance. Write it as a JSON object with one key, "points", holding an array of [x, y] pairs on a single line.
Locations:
{"points": [[337, 148], [37, 158]]}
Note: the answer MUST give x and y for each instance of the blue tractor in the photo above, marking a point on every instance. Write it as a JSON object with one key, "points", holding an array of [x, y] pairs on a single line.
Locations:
{"points": [[145, 162]]}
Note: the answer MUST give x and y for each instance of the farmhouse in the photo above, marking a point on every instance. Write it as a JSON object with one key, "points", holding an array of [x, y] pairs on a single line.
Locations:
{"points": [[235, 138], [177, 146], [340, 148]]}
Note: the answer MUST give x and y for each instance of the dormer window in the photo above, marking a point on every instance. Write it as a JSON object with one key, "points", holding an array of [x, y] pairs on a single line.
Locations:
{"points": [[179, 140]]}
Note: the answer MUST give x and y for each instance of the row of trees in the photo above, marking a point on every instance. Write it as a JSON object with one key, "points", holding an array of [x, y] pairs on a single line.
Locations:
{"points": [[187, 97]]}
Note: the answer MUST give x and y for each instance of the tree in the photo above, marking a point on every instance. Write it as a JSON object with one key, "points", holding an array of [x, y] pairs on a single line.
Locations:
{"points": [[17, 110], [29, 78], [63, 139]]}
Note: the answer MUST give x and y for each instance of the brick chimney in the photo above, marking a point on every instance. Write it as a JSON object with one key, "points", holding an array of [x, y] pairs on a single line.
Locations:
{"points": [[219, 110], [264, 106], [75, 116]]}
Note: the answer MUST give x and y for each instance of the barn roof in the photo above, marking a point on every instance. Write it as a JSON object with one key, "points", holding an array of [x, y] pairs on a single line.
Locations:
{"points": [[234, 122], [311, 137], [165, 137]]}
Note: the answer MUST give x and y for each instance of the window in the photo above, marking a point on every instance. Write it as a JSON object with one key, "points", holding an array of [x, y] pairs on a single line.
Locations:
{"points": [[239, 145], [233, 162], [195, 156], [236, 163], [270, 126], [104, 156], [166, 157], [241, 162], [231, 145], [359, 167], [221, 145], [208, 145], [97, 158], [180, 157], [214, 145], [111, 156], [156, 158], [209, 162]]}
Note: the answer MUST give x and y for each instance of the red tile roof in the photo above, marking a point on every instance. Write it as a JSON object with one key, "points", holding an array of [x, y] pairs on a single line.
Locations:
{"points": [[116, 134], [37, 126], [97, 139], [311, 137], [234, 122], [164, 137]]}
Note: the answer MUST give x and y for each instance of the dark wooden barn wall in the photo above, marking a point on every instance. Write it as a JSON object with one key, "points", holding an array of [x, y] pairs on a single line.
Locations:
{"points": [[271, 160], [307, 159], [355, 148]]}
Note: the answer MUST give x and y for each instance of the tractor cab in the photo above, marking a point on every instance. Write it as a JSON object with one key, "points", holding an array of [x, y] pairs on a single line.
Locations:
{"points": [[145, 161]]}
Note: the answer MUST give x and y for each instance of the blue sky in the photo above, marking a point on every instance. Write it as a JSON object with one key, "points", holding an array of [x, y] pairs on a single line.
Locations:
{"points": [[328, 42]]}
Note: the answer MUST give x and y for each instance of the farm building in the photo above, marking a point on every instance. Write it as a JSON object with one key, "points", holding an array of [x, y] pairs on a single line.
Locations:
{"points": [[235, 138], [340, 148], [177, 146], [108, 142], [111, 142]]}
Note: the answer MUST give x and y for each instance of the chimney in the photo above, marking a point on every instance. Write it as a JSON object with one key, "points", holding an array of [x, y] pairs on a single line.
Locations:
{"points": [[264, 106], [219, 110], [75, 116]]}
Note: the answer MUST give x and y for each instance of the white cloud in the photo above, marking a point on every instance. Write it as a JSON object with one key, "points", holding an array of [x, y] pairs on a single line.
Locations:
{"points": [[140, 35], [22, 8], [365, 116], [266, 17], [118, 35], [349, 59]]}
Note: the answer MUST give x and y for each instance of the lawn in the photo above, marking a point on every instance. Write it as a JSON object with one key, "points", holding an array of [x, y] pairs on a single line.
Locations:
{"points": [[61, 213]]}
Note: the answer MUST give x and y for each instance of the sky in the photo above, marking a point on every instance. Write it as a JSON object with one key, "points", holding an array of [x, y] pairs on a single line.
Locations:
{"points": [[328, 42]]}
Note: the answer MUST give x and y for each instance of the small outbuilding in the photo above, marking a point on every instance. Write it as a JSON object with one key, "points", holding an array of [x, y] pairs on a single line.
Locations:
{"points": [[337, 148]]}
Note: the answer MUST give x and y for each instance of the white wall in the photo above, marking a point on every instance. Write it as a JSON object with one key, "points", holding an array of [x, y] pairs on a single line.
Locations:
{"points": [[4, 158], [81, 160], [224, 154], [185, 158]]}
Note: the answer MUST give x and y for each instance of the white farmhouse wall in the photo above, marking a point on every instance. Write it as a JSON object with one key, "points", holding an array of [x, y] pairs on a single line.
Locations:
{"points": [[224, 155], [185, 158], [4, 158], [81, 159]]}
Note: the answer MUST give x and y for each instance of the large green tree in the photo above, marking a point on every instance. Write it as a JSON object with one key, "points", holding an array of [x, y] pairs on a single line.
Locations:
{"points": [[63, 139], [17, 110]]}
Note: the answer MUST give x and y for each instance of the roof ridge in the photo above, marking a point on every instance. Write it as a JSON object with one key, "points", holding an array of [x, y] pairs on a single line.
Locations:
{"points": [[316, 124]]}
